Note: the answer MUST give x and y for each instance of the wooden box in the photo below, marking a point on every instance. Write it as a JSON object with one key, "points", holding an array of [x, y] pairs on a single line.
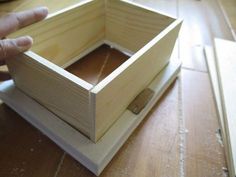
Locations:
{"points": [[67, 36]]}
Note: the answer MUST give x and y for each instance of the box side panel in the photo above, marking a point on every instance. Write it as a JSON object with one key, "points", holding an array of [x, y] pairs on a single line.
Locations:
{"points": [[132, 26], [65, 36], [53, 88], [114, 93]]}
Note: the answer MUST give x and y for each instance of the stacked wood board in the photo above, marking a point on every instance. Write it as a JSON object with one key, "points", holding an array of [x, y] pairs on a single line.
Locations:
{"points": [[222, 68]]}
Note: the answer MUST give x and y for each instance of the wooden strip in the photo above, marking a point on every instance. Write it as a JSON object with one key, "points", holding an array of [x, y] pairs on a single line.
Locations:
{"points": [[215, 84], [94, 156], [126, 82], [216, 90], [226, 70]]}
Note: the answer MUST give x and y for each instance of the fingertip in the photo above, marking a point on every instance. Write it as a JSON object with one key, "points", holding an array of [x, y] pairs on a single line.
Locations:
{"points": [[29, 39], [41, 12], [25, 40], [24, 43]]}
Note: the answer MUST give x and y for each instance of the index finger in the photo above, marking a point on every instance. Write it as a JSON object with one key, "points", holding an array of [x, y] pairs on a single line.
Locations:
{"points": [[15, 21]]}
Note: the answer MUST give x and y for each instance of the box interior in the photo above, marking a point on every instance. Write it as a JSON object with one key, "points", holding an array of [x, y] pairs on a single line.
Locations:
{"points": [[70, 36], [98, 64]]}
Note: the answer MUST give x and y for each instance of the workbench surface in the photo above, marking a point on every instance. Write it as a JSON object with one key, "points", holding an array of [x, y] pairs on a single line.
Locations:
{"points": [[177, 138]]}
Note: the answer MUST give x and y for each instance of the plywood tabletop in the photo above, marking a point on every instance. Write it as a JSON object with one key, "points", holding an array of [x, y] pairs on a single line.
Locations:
{"points": [[177, 138]]}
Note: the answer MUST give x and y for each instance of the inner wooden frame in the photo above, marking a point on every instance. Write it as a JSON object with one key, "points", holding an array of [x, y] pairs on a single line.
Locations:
{"points": [[63, 38]]}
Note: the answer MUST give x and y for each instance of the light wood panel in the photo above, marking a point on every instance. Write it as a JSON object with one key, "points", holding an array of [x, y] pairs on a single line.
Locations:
{"points": [[54, 88], [211, 62], [64, 37], [226, 71], [127, 81], [132, 26]]}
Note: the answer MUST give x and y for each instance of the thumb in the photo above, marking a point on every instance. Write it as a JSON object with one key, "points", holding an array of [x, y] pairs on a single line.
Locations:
{"points": [[12, 47]]}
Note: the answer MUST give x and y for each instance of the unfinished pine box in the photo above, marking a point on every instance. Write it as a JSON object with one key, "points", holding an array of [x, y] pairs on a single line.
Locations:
{"points": [[65, 37]]}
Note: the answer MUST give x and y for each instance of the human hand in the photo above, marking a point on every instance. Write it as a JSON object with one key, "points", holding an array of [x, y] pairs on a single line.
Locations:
{"points": [[11, 23]]}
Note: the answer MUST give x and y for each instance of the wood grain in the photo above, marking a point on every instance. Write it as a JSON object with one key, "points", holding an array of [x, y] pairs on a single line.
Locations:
{"points": [[54, 88], [126, 82], [61, 92], [131, 26], [204, 154], [63, 37], [24, 151]]}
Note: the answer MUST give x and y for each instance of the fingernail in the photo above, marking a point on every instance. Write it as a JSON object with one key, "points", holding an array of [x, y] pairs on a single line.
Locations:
{"points": [[24, 43], [42, 11]]}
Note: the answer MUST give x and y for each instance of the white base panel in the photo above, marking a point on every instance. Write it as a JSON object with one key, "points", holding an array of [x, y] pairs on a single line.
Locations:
{"points": [[93, 156]]}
